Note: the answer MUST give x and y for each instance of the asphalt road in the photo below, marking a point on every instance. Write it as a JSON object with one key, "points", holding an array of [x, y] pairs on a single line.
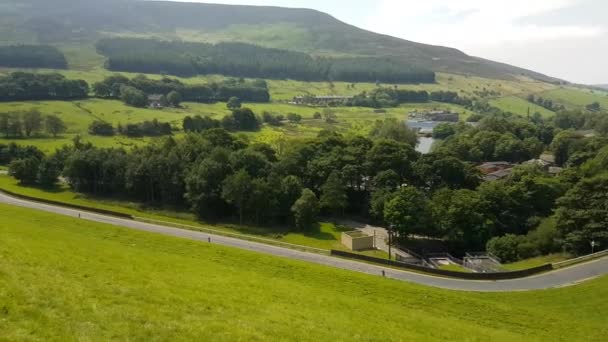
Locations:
{"points": [[559, 278]]}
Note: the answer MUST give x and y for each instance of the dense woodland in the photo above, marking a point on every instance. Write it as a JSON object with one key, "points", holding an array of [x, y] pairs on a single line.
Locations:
{"points": [[135, 91], [246, 60], [23, 86], [380, 177], [32, 56]]}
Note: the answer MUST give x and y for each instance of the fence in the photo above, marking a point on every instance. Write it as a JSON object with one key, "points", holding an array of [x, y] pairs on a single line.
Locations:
{"points": [[578, 260], [446, 273]]}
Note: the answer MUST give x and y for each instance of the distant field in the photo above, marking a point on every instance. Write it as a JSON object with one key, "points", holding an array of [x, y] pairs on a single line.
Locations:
{"points": [[576, 98], [79, 114], [351, 120], [141, 286], [520, 106]]}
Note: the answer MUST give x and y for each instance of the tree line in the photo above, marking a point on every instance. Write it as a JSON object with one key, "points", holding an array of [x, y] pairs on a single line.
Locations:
{"points": [[135, 91], [545, 103], [152, 128], [246, 60], [23, 86], [386, 97], [32, 56], [30, 123]]}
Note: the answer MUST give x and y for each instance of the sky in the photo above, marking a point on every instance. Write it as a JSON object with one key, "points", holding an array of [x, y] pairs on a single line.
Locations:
{"points": [[567, 39]]}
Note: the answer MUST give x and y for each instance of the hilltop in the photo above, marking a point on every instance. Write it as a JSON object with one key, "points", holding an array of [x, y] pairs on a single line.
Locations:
{"points": [[75, 25]]}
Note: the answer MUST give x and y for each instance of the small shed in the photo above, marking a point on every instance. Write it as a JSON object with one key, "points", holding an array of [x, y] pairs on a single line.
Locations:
{"points": [[357, 241]]}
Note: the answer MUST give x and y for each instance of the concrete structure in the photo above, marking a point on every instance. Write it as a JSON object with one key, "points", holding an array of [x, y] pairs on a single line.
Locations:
{"points": [[357, 240]]}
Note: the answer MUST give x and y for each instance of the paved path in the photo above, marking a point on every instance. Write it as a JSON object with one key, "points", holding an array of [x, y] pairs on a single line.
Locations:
{"points": [[559, 278]]}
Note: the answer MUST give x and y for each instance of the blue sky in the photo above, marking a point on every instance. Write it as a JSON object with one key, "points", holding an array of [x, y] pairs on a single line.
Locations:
{"points": [[562, 38]]}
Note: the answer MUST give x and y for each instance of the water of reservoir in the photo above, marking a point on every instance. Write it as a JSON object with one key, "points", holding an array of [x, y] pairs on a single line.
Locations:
{"points": [[424, 143]]}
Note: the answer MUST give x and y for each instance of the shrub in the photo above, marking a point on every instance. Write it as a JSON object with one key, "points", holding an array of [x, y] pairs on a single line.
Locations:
{"points": [[505, 247], [101, 128]]}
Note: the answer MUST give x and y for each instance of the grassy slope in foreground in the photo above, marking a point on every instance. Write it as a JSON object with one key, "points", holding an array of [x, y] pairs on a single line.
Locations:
{"points": [[62, 279]]}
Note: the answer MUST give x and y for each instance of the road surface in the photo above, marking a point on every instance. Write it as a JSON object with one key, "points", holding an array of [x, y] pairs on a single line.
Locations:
{"points": [[559, 278]]}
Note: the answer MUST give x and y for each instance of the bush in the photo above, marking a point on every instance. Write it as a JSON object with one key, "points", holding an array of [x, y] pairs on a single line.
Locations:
{"points": [[273, 120], [506, 248], [199, 123], [133, 96], [545, 237], [242, 119], [146, 129], [293, 117], [101, 128], [25, 170], [444, 130]]}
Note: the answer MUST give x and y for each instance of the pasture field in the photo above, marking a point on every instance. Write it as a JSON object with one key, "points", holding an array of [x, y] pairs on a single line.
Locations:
{"points": [[285, 90], [576, 98], [61, 279], [519, 106], [78, 115]]}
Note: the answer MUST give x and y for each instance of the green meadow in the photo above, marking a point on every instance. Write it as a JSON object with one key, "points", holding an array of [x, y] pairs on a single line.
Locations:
{"points": [[78, 115], [520, 106], [62, 279], [576, 98]]}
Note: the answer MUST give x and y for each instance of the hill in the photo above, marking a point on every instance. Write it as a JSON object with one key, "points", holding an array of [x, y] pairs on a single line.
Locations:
{"points": [[70, 23], [137, 286]]}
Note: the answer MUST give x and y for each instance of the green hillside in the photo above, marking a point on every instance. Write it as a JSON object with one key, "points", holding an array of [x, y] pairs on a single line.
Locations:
{"points": [[70, 23], [138, 286], [576, 98]]}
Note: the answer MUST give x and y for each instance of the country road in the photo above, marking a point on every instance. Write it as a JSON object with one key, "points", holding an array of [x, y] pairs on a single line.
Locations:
{"points": [[559, 278]]}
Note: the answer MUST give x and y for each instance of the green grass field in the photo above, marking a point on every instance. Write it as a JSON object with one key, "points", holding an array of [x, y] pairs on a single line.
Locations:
{"points": [[534, 262], [78, 115], [520, 106], [576, 98], [61, 279]]}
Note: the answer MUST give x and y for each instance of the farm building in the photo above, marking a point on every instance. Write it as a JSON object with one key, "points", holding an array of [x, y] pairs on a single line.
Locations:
{"points": [[155, 101]]}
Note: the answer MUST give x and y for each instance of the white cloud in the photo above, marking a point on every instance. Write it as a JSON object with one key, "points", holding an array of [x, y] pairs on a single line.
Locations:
{"points": [[467, 24]]}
